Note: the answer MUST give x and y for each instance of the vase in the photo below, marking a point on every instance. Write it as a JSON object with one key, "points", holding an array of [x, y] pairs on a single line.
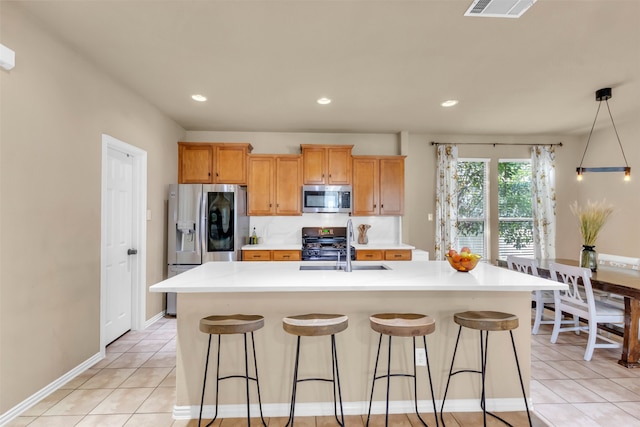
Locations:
{"points": [[362, 235], [588, 257]]}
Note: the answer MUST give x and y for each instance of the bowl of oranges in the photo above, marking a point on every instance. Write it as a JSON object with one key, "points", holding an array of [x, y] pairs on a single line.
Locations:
{"points": [[464, 260]]}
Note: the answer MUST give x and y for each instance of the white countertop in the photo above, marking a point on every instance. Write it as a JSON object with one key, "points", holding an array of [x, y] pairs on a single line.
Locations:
{"points": [[269, 276], [297, 247]]}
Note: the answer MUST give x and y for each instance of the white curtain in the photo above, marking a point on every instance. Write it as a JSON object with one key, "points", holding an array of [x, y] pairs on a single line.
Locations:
{"points": [[543, 190], [446, 200]]}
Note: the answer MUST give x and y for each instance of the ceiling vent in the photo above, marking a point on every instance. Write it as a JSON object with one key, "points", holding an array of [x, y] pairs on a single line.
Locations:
{"points": [[499, 8]]}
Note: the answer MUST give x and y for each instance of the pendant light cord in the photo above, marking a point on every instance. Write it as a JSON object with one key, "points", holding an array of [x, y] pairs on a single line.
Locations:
{"points": [[590, 133], [617, 136], [614, 128]]}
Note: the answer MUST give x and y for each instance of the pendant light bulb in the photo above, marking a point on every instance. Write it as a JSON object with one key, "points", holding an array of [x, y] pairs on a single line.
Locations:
{"points": [[579, 178], [627, 174]]}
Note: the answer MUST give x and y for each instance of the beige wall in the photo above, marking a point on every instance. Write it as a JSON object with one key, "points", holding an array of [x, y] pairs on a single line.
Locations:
{"points": [[54, 109], [621, 234]]}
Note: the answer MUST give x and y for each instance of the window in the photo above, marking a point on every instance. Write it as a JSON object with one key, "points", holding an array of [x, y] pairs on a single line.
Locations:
{"points": [[515, 215], [473, 190]]}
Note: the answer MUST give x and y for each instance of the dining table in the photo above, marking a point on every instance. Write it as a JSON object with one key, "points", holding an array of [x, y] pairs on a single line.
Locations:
{"points": [[620, 281]]}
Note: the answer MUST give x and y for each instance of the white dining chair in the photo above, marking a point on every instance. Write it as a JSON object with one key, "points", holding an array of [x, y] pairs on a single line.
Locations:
{"points": [[619, 261], [579, 301], [530, 266]]}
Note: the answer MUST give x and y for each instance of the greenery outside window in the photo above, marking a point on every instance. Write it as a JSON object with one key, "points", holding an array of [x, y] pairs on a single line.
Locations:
{"points": [[514, 210], [515, 214], [473, 212]]}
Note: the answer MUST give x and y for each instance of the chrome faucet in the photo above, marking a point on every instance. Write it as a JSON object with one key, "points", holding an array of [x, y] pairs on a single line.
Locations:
{"points": [[347, 263]]}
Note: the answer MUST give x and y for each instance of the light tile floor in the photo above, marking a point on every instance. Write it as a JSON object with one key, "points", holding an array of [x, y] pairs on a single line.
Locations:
{"points": [[135, 386], [568, 391]]}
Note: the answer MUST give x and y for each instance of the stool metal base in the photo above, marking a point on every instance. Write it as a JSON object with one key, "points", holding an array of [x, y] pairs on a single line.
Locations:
{"points": [[245, 376], [415, 381], [335, 380], [484, 344]]}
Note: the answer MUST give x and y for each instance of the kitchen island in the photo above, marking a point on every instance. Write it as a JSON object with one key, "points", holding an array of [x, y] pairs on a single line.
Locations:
{"points": [[279, 289]]}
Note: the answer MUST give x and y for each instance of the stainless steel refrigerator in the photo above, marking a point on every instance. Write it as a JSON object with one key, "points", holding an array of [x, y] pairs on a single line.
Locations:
{"points": [[206, 222]]}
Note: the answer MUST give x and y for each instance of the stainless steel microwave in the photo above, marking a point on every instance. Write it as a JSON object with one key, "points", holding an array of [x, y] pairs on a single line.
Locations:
{"points": [[326, 198]]}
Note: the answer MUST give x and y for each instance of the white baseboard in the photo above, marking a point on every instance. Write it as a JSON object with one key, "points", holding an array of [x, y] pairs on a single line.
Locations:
{"points": [[350, 408], [48, 389], [153, 320], [55, 385]]}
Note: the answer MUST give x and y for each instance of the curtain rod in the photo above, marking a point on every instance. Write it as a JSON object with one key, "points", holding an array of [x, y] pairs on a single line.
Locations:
{"points": [[559, 144]]}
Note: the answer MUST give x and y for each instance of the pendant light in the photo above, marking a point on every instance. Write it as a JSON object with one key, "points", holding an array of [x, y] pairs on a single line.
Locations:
{"points": [[604, 95]]}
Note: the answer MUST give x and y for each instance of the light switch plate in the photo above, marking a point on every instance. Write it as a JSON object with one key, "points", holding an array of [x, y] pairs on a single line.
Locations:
{"points": [[421, 357]]}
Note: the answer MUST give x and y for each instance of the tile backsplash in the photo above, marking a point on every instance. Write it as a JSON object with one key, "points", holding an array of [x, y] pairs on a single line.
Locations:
{"points": [[287, 230]]}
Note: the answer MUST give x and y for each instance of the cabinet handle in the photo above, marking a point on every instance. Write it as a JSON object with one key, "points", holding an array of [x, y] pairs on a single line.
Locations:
{"points": [[374, 206], [397, 255], [369, 256], [381, 206], [285, 256]]}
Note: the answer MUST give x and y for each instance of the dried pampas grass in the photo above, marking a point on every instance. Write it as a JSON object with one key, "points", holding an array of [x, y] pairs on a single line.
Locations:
{"points": [[592, 218]]}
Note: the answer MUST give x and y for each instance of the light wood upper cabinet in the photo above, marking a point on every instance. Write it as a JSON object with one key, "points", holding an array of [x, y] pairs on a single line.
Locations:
{"points": [[261, 188], [230, 162], [378, 185], [288, 185], [392, 186], [326, 164], [195, 163], [275, 183], [212, 163], [366, 186]]}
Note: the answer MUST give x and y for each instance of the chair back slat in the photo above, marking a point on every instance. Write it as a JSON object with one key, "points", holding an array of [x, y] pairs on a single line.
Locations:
{"points": [[523, 265], [578, 294], [619, 261]]}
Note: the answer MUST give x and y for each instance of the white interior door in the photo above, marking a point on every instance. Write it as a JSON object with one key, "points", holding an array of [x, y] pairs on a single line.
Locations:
{"points": [[120, 263]]}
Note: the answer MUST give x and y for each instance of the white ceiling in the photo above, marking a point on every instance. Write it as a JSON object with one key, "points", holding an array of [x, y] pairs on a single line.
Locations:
{"points": [[386, 65]]}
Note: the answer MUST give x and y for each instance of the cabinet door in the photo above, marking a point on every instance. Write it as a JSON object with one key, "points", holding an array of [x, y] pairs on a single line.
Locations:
{"points": [[286, 255], [252, 255], [365, 186], [314, 164], [231, 164], [369, 255], [392, 186], [397, 255], [195, 164], [339, 166], [288, 185], [260, 192]]}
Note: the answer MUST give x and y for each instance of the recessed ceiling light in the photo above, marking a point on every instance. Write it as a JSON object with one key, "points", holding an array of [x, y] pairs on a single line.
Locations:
{"points": [[449, 103], [199, 98], [324, 101]]}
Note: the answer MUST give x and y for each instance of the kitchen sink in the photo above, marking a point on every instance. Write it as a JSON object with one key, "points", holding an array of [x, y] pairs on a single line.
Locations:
{"points": [[354, 267]]}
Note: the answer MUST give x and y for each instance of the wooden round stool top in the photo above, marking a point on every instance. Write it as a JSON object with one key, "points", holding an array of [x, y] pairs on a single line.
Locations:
{"points": [[316, 324], [403, 324], [231, 324], [486, 320]]}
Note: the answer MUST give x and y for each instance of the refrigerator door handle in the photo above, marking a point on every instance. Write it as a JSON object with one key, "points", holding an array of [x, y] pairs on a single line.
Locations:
{"points": [[132, 251], [201, 231]]}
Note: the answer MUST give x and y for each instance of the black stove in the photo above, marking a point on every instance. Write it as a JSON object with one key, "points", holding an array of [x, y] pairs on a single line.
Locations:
{"points": [[325, 244]]}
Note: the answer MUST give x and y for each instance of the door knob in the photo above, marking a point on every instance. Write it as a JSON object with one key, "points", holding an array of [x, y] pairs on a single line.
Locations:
{"points": [[132, 251]]}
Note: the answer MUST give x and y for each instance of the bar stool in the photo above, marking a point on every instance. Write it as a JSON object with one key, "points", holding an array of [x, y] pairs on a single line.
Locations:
{"points": [[313, 325], [227, 325], [402, 325], [485, 322]]}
